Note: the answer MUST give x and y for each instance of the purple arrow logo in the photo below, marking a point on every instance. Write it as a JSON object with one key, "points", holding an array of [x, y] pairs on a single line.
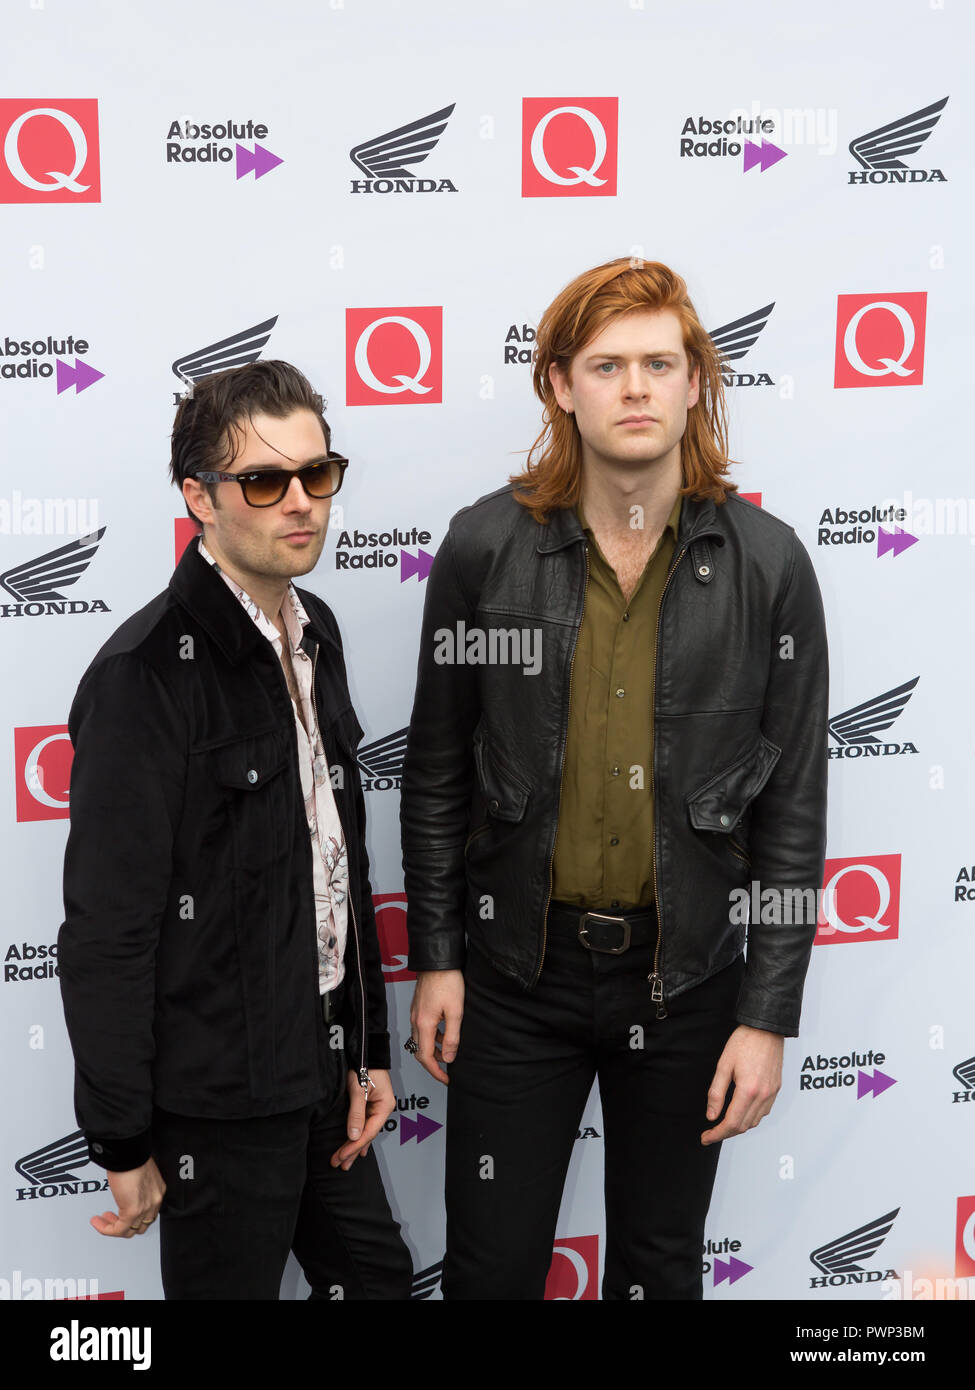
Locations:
{"points": [[80, 376], [895, 540], [765, 157], [262, 161], [731, 1270], [418, 565], [421, 1128], [875, 1085]]}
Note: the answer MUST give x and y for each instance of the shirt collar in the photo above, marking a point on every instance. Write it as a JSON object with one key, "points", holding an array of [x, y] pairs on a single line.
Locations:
{"points": [[292, 608]]}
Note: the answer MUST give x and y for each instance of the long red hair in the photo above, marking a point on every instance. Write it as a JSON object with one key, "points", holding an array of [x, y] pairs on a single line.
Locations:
{"points": [[552, 477]]}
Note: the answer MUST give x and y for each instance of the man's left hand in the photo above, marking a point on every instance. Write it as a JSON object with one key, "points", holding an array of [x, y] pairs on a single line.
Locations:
{"points": [[752, 1059], [366, 1117]]}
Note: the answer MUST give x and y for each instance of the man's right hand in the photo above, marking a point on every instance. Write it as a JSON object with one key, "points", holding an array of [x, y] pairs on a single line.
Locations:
{"points": [[138, 1193], [438, 998]]}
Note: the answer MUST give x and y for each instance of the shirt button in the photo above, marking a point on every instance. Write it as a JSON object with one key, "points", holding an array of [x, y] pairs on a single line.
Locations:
{"points": [[616, 772], [626, 617], [312, 827], [252, 776], [614, 839], [620, 693]]}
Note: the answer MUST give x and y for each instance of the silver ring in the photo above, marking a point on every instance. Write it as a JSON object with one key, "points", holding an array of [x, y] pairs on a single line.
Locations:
{"points": [[411, 1046]]}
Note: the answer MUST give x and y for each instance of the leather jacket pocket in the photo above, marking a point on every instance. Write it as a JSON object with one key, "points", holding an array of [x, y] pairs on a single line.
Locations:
{"points": [[721, 803], [505, 794]]}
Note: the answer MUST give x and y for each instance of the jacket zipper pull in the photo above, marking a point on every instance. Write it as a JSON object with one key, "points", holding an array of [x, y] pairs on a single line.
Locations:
{"points": [[656, 983], [364, 1081]]}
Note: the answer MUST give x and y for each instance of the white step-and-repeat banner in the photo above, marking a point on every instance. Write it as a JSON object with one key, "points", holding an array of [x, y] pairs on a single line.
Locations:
{"points": [[388, 195]]}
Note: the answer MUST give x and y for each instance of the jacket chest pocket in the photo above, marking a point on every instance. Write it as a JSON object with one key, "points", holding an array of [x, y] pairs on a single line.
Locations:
{"points": [[251, 777]]}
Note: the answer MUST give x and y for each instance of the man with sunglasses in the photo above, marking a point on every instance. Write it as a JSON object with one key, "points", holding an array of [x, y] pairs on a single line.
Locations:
{"points": [[219, 961]]}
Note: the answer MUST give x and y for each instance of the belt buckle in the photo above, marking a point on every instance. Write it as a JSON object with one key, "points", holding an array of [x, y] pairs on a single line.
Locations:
{"points": [[604, 917]]}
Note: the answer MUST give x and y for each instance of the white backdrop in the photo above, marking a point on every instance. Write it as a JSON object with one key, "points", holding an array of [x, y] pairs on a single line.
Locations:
{"points": [[163, 258]]}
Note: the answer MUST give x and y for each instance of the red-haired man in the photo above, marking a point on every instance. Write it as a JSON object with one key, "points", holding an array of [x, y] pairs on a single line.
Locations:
{"points": [[619, 723]]}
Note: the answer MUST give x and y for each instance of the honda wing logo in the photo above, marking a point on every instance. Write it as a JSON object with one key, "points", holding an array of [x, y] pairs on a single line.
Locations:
{"points": [[387, 156], [856, 729], [55, 1162], [39, 580], [883, 149], [425, 1281], [840, 1259], [965, 1074], [733, 340], [381, 762], [235, 351]]}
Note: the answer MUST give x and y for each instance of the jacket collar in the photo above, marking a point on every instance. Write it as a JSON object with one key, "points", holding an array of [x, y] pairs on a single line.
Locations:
{"points": [[199, 589]]}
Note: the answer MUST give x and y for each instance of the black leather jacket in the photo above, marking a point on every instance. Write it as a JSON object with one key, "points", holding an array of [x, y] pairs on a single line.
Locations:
{"points": [[188, 958], [739, 756]]}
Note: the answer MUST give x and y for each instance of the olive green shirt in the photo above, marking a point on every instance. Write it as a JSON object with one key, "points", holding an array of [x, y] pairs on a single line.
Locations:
{"points": [[604, 843]]}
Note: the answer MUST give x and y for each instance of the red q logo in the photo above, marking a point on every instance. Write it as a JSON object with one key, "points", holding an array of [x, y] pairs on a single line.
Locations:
{"points": [[880, 339], [393, 941], [965, 1239], [568, 147], [42, 758], [861, 900], [574, 1272], [50, 151], [394, 356]]}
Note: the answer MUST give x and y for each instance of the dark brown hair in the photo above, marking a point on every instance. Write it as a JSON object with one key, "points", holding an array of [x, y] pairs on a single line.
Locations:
{"points": [[207, 433], [552, 477]]}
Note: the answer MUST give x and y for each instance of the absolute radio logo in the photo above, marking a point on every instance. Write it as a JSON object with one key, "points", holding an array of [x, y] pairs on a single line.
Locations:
{"points": [[728, 1270], [394, 356], [863, 526], [387, 159], [569, 147], [859, 1068], [880, 339], [381, 762], [411, 1121], [50, 151], [42, 962], [394, 946], [855, 731], [36, 584], [734, 340], [52, 1171], [188, 142], [33, 358], [860, 900], [42, 765], [965, 884], [704, 138], [880, 152], [373, 550], [236, 351], [841, 1259], [514, 341], [574, 1271]]}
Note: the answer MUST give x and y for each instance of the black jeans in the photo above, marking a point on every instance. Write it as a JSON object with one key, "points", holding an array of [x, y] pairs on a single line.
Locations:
{"points": [[517, 1092], [241, 1193]]}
